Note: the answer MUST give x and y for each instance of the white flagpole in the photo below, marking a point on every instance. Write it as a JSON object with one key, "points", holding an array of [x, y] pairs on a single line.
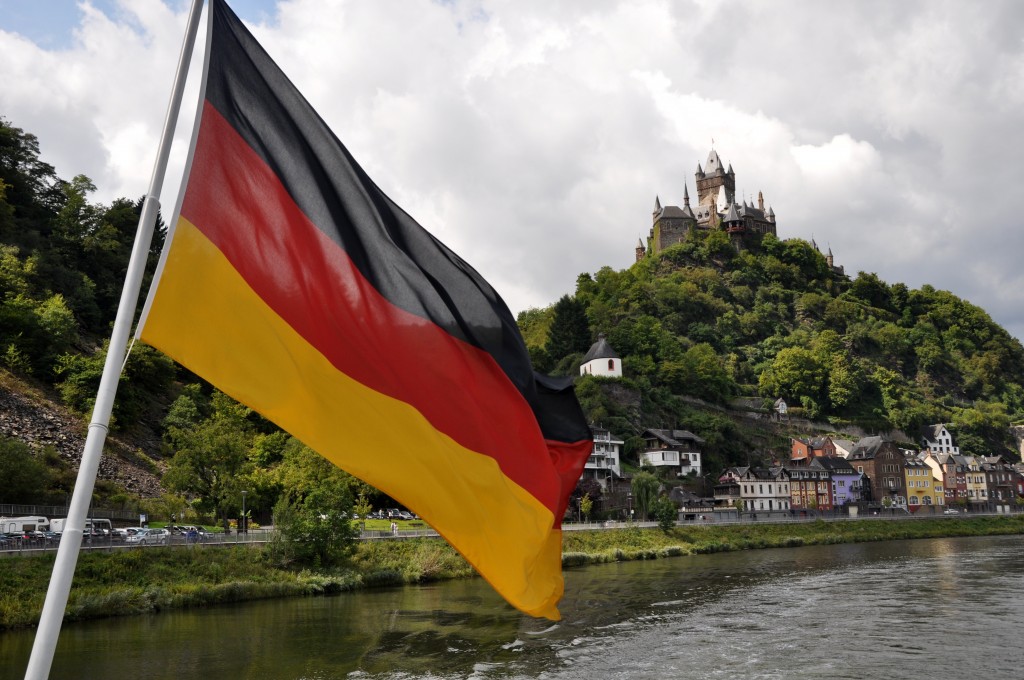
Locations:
{"points": [[71, 541]]}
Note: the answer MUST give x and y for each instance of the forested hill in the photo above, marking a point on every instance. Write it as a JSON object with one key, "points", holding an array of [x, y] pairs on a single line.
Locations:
{"points": [[702, 320]]}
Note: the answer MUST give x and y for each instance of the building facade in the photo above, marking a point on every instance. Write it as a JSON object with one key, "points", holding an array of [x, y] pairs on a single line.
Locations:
{"points": [[677, 449], [603, 465], [602, 360]]}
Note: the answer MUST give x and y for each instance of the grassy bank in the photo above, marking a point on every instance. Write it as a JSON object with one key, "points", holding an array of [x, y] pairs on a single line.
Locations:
{"points": [[130, 582]]}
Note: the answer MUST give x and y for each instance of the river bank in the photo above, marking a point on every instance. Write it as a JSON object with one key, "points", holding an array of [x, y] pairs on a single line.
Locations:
{"points": [[129, 582]]}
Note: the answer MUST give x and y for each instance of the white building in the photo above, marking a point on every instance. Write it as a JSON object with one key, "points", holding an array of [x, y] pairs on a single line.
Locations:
{"points": [[758, 489], [679, 449], [601, 360], [937, 439], [603, 463]]}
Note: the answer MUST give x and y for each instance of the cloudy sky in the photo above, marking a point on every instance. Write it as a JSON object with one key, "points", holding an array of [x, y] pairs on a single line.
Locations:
{"points": [[532, 136]]}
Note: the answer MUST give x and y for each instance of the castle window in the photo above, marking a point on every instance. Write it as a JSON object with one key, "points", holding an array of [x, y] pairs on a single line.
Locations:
{"points": [[611, 364]]}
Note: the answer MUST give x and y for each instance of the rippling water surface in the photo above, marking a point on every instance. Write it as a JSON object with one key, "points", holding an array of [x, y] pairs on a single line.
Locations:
{"points": [[934, 608]]}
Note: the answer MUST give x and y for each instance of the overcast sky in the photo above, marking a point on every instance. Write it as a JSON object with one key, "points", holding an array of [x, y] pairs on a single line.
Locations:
{"points": [[532, 136]]}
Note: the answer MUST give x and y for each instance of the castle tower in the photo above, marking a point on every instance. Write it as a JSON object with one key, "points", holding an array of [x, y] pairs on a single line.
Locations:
{"points": [[641, 250], [711, 178], [829, 259], [760, 201]]}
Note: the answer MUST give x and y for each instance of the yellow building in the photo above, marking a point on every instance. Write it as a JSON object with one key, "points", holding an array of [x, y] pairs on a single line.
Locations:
{"points": [[923, 490]]}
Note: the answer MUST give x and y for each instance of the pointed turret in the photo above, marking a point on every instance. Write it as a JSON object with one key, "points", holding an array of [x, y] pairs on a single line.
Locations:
{"points": [[657, 207], [771, 214], [732, 216], [641, 249], [714, 163], [760, 201], [730, 171], [700, 173], [687, 210]]}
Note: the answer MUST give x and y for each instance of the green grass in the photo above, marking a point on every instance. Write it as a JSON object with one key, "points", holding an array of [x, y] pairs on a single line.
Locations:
{"points": [[127, 582]]}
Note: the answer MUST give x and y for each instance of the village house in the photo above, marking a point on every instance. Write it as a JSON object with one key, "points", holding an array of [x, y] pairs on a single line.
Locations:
{"points": [[847, 483], [678, 450], [810, 486], [761, 491], [922, 491], [603, 464], [843, 447], [937, 439], [882, 463], [945, 474], [804, 449]]}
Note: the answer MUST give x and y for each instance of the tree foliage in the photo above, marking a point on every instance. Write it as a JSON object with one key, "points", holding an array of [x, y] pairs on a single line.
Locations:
{"points": [[645, 488], [702, 320]]}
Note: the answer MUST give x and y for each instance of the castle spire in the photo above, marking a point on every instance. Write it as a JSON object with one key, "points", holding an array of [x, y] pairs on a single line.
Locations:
{"points": [[686, 196], [657, 205], [760, 201]]}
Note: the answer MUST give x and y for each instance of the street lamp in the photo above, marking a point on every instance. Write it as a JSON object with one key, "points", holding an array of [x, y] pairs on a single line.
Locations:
{"points": [[245, 525]]}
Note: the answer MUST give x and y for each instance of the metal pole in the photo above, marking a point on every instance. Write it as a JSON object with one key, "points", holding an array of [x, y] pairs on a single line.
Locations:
{"points": [[245, 524], [45, 643]]}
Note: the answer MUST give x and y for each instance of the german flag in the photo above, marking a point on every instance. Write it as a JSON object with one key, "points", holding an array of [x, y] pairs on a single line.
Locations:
{"points": [[292, 283]]}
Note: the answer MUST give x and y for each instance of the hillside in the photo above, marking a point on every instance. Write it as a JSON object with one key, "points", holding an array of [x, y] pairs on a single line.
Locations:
{"points": [[701, 320], [710, 338]]}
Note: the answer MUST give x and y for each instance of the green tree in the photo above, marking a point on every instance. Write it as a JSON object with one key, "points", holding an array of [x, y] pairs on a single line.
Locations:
{"points": [[315, 509], [25, 477], [645, 490], [793, 374], [569, 332], [665, 513], [586, 506], [212, 459], [362, 508]]}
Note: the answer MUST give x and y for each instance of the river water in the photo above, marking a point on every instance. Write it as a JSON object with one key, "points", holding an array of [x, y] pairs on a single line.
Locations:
{"points": [[936, 608]]}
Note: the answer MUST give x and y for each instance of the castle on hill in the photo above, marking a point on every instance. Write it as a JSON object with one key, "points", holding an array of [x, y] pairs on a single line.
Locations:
{"points": [[716, 209]]}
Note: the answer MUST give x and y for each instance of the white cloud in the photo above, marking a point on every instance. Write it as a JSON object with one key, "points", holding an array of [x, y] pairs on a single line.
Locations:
{"points": [[533, 136]]}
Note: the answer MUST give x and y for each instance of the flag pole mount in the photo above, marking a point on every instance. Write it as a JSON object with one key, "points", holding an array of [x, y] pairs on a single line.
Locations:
{"points": [[45, 643]]}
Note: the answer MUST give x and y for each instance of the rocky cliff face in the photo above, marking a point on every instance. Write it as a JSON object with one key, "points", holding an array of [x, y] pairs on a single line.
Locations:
{"points": [[39, 423]]}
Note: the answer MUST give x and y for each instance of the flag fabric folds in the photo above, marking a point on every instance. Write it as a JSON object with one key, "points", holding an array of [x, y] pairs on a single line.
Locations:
{"points": [[292, 283]]}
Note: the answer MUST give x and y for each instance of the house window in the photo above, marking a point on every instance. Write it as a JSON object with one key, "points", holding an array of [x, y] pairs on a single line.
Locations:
{"points": [[611, 364]]}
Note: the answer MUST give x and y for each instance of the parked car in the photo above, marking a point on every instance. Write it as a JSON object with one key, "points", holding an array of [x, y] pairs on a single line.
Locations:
{"points": [[156, 536], [149, 537], [950, 511]]}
